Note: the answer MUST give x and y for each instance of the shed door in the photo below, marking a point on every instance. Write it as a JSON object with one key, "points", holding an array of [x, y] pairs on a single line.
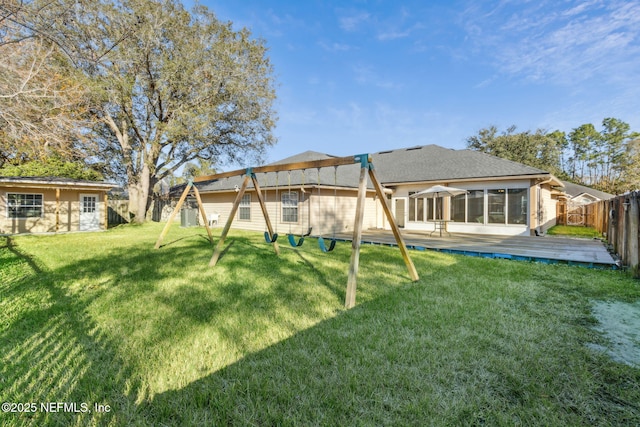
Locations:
{"points": [[89, 212]]}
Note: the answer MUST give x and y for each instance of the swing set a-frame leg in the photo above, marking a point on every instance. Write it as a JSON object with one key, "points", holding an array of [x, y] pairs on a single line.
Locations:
{"points": [[350, 298], [394, 226], [218, 250], [263, 206], [203, 213], [183, 197], [227, 226]]}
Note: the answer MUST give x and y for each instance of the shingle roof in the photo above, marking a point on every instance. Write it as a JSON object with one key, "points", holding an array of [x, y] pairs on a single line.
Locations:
{"points": [[413, 164], [574, 190], [435, 163], [343, 176]]}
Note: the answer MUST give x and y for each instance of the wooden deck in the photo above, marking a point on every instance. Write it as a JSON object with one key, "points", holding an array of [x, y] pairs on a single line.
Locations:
{"points": [[547, 249]]}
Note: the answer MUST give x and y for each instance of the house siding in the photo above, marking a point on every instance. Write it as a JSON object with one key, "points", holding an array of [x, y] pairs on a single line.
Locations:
{"points": [[400, 171], [547, 209], [324, 212]]}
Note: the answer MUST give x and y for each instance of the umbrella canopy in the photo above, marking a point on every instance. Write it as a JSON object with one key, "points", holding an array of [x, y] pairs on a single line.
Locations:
{"points": [[439, 191]]}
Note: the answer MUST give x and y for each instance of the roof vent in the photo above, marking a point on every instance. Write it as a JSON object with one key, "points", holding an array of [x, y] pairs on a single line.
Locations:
{"points": [[414, 148], [386, 152]]}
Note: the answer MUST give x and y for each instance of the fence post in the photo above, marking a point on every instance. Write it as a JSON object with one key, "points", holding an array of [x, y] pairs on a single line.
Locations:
{"points": [[634, 217]]}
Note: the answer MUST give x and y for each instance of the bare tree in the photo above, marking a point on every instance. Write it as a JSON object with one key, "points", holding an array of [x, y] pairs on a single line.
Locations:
{"points": [[41, 104]]}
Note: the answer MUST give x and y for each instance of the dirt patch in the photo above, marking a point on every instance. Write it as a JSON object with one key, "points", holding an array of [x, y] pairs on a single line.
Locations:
{"points": [[620, 323]]}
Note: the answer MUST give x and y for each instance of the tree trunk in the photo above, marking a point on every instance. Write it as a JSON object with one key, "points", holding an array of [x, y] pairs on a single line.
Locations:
{"points": [[139, 200]]}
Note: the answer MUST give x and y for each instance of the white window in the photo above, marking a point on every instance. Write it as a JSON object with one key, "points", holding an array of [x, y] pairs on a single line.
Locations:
{"points": [[88, 204], [290, 207], [24, 205], [244, 210]]}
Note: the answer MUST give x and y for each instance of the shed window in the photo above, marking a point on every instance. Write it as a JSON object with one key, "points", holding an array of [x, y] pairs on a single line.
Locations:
{"points": [[24, 205]]}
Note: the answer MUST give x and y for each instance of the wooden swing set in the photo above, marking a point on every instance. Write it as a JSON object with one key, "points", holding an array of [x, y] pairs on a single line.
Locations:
{"points": [[366, 168]]}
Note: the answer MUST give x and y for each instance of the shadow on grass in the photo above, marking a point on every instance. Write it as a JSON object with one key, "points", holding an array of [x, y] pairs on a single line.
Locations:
{"points": [[124, 327], [54, 352], [392, 361], [175, 241], [84, 331], [451, 349]]}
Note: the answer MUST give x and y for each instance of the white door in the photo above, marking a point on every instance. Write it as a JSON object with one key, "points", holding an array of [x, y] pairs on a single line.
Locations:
{"points": [[89, 212]]}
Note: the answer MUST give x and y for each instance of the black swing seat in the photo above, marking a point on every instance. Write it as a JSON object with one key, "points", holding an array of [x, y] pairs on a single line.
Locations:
{"points": [[292, 238], [323, 246], [269, 238]]}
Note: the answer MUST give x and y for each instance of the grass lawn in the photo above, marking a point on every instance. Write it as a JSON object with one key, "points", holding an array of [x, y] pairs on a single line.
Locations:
{"points": [[574, 231], [159, 338]]}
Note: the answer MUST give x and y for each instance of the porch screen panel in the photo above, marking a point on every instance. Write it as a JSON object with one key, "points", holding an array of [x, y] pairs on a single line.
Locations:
{"points": [[457, 208], [430, 209], [412, 207], [497, 201], [439, 207], [290, 207], [517, 203], [420, 210], [475, 206]]}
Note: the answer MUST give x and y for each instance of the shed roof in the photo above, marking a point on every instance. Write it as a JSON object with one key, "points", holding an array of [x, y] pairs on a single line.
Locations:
{"points": [[53, 182]]}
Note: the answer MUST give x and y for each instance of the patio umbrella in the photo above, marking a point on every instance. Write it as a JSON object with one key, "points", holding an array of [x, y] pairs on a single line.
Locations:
{"points": [[439, 191]]}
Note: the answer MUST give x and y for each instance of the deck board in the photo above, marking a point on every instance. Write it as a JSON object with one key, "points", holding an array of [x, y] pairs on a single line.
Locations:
{"points": [[590, 252]]}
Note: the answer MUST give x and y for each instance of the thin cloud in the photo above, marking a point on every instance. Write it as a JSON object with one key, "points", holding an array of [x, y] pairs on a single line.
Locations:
{"points": [[354, 21], [366, 75], [335, 47], [542, 42], [392, 35]]}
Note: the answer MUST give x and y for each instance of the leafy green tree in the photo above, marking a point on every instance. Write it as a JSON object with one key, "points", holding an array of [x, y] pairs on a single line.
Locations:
{"points": [[631, 175], [52, 166], [167, 87], [582, 142], [198, 168], [606, 160], [183, 87], [614, 135], [538, 149]]}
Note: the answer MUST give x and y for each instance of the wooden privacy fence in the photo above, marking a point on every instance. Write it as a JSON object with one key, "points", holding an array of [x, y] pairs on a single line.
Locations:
{"points": [[618, 218], [118, 212], [568, 213]]}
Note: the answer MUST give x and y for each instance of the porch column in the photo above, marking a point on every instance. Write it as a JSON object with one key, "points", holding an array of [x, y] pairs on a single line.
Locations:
{"points": [[106, 211], [57, 209]]}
